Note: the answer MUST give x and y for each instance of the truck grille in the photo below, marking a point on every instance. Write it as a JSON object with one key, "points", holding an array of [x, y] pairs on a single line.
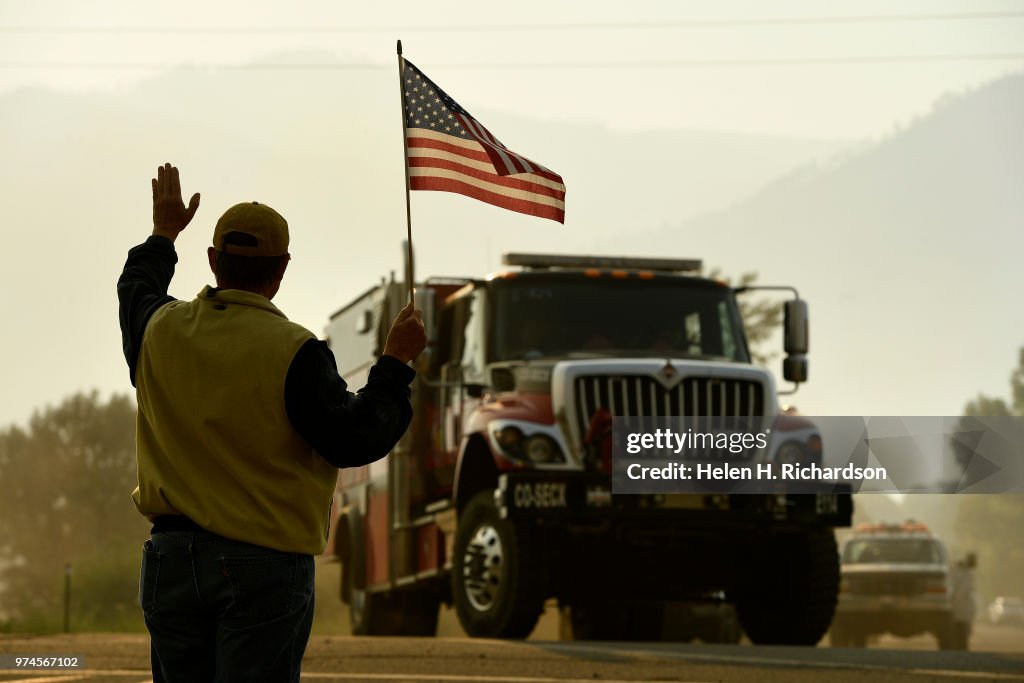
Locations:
{"points": [[587, 394], [641, 395], [638, 395]]}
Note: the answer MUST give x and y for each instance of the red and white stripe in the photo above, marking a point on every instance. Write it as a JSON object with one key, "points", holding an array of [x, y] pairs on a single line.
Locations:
{"points": [[505, 161], [449, 163]]}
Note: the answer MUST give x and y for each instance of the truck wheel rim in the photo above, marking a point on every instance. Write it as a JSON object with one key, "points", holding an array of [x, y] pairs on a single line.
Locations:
{"points": [[482, 568]]}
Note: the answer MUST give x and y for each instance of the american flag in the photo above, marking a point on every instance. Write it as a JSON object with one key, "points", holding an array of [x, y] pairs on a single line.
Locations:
{"points": [[450, 151]]}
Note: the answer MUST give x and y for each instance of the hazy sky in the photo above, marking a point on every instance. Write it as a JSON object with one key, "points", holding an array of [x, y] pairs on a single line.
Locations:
{"points": [[499, 54], [696, 66]]}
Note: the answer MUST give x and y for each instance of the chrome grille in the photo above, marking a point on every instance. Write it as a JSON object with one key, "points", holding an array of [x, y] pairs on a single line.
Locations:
{"points": [[643, 396], [639, 395]]}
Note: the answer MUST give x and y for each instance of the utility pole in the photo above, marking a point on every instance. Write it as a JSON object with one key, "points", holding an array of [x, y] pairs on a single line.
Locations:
{"points": [[67, 597]]}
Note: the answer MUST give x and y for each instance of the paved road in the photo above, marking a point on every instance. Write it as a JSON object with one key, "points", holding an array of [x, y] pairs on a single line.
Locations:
{"points": [[124, 659], [985, 638]]}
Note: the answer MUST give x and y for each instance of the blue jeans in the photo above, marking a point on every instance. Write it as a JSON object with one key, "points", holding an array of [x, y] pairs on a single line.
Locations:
{"points": [[220, 611]]}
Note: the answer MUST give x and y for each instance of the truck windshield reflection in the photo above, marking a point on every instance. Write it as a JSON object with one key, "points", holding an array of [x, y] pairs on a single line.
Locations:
{"points": [[557, 317]]}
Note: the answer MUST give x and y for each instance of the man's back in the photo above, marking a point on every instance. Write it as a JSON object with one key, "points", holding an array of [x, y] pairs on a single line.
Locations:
{"points": [[215, 443]]}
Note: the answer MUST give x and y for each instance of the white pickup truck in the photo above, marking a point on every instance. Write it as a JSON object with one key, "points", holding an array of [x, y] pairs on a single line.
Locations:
{"points": [[899, 579]]}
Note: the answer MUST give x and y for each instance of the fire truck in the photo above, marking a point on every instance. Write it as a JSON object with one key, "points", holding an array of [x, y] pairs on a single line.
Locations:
{"points": [[499, 498], [899, 579]]}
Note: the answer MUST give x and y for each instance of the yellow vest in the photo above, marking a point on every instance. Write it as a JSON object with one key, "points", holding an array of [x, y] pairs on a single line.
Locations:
{"points": [[213, 438]]}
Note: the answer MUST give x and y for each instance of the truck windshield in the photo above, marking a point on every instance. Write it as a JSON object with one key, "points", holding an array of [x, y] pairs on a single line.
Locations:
{"points": [[539, 317], [894, 550]]}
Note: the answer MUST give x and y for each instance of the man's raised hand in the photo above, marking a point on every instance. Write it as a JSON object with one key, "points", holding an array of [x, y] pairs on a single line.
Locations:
{"points": [[170, 215], [407, 338]]}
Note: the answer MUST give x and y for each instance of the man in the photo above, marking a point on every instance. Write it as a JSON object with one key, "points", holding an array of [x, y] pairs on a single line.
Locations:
{"points": [[243, 421]]}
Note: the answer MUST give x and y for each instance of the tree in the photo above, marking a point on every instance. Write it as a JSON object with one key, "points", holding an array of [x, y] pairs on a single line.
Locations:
{"points": [[762, 317], [65, 486], [993, 522], [986, 406]]}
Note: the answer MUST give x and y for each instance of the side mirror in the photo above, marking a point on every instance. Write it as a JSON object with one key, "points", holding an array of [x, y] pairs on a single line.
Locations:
{"points": [[794, 368], [474, 390], [795, 333]]}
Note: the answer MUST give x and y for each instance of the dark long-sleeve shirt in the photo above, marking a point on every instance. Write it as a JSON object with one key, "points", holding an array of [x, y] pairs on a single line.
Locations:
{"points": [[347, 429]]}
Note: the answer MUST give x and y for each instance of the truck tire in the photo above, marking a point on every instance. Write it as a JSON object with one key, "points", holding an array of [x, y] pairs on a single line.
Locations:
{"points": [[792, 603], [954, 636], [963, 635], [497, 579]]}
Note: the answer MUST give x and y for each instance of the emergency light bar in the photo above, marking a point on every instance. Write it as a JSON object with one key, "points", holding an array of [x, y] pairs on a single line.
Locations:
{"points": [[541, 261]]}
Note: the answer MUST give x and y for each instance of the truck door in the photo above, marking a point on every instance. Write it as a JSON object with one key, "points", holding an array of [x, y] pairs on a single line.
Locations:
{"points": [[465, 366]]}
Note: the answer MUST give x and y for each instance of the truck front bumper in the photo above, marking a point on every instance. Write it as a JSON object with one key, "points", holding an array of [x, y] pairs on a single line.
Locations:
{"points": [[579, 496], [900, 615]]}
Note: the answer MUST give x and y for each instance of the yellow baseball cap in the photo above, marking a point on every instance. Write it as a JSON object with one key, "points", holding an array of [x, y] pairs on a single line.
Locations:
{"points": [[251, 229]]}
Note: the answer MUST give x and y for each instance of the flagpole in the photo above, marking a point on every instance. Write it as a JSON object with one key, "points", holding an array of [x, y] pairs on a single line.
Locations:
{"points": [[405, 149]]}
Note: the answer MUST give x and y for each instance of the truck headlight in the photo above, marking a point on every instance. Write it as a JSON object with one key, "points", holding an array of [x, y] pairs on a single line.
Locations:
{"points": [[525, 441], [509, 438], [542, 449]]}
